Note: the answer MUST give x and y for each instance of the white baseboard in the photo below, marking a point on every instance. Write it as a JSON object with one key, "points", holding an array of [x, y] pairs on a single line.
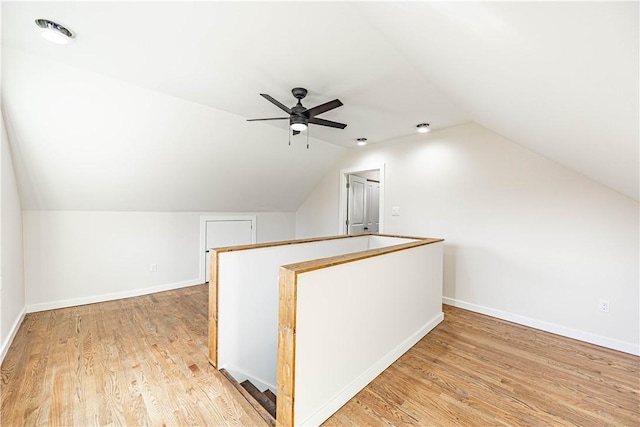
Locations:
{"points": [[12, 334], [361, 382], [31, 308], [576, 334]]}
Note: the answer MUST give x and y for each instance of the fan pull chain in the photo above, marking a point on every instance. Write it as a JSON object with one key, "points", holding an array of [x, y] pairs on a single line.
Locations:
{"points": [[308, 127], [290, 132]]}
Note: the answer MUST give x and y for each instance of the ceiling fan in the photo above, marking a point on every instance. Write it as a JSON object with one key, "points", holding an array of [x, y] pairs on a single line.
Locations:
{"points": [[299, 116]]}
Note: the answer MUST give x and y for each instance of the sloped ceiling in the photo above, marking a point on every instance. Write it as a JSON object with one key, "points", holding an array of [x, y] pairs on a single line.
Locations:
{"points": [[146, 109]]}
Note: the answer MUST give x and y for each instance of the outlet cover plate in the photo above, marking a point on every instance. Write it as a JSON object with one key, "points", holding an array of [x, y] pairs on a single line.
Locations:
{"points": [[604, 305]]}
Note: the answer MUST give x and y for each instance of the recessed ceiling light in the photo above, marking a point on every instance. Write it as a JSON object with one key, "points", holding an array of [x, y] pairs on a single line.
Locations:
{"points": [[362, 141], [423, 127], [54, 32]]}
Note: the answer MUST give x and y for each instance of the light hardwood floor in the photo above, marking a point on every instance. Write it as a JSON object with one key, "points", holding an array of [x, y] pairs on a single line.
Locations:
{"points": [[474, 370], [143, 361], [137, 361]]}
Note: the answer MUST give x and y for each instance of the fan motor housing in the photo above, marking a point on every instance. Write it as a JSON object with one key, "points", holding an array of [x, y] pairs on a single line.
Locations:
{"points": [[298, 110]]}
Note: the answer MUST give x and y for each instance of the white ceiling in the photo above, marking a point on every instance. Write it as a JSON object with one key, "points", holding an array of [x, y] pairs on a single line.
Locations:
{"points": [[151, 87]]}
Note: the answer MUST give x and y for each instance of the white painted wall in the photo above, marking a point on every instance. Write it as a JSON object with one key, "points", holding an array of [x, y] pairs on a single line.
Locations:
{"points": [[248, 296], [319, 213], [353, 320], [384, 241], [12, 286], [74, 258], [527, 239], [248, 303]]}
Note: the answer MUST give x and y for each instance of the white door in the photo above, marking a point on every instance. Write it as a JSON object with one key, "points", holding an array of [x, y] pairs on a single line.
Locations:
{"points": [[356, 205], [372, 215], [221, 233]]}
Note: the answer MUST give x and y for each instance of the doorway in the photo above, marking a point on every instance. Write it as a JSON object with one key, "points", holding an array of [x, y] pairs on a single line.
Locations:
{"points": [[218, 231], [361, 200]]}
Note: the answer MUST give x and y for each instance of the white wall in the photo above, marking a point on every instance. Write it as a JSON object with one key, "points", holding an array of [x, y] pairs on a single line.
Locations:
{"points": [[12, 287], [384, 241], [527, 239], [318, 214], [354, 320], [254, 290], [76, 258]]}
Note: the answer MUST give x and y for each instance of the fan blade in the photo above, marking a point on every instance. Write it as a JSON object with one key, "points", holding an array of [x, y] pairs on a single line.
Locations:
{"points": [[311, 112], [276, 103], [329, 123], [295, 132], [271, 118]]}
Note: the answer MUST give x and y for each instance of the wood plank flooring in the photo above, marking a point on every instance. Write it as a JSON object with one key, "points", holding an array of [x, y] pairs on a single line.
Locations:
{"points": [[474, 370], [137, 361], [143, 361]]}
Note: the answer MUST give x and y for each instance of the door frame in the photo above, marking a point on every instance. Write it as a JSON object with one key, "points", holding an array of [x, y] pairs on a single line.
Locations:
{"points": [[344, 178], [203, 236]]}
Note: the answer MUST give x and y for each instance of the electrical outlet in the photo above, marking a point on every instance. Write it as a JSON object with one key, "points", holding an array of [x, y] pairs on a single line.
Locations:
{"points": [[153, 268], [604, 305], [395, 211]]}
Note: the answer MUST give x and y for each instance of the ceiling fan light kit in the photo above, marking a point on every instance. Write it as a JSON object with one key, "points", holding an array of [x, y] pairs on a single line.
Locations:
{"points": [[54, 32], [301, 117], [297, 123]]}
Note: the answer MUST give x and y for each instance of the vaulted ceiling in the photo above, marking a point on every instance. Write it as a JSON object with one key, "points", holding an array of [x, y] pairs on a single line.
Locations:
{"points": [[146, 109]]}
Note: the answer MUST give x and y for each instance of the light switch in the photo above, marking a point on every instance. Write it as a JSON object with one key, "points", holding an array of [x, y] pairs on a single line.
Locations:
{"points": [[395, 211]]}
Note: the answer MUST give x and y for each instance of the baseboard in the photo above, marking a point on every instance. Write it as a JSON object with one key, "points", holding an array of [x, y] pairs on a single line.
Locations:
{"points": [[12, 334], [361, 382], [576, 334], [31, 308]]}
